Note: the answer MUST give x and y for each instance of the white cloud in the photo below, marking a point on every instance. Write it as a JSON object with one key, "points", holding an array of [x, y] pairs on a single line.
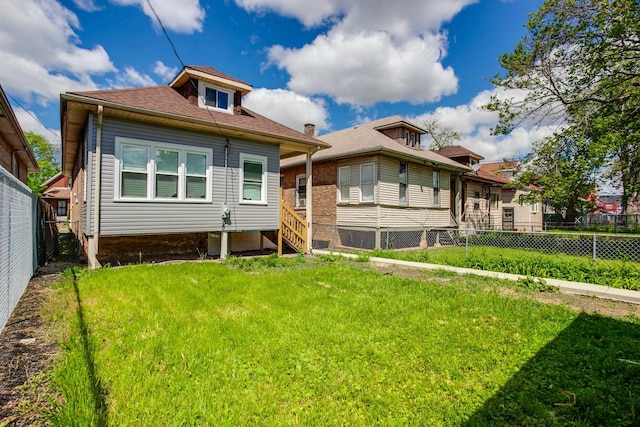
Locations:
{"points": [[397, 17], [375, 50], [132, 78], [41, 54], [185, 16], [86, 5], [167, 73], [287, 107], [475, 124], [368, 67], [29, 122]]}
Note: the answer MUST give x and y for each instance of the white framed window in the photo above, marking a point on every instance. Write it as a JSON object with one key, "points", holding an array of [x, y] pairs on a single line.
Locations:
{"points": [[155, 171], [367, 182], [344, 184], [215, 97], [436, 188], [495, 201], [301, 190], [533, 207], [402, 184], [253, 179]]}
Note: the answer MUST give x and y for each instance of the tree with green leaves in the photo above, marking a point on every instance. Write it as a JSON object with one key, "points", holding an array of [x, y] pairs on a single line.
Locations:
{"points": [[442, 136], [579, 68], [47, 156]]}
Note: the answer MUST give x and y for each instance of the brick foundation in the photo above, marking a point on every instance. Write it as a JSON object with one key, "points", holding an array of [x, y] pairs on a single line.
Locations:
{"points": [[146, 248]]}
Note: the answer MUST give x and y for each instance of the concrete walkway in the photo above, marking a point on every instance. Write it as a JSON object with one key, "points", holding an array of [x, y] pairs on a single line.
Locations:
{"points": [[563, 285]]}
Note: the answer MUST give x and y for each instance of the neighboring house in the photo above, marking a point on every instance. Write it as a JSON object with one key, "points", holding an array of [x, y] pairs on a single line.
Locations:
{"points": [[609, 204], [481, 192], [375, 187], [57, 192], [516, 215], [176, 170], [15, 155], [490, 200]]}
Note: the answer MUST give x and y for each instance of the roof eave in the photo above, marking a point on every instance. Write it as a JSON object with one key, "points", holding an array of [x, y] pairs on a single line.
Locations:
{"points": [[288, 144], [17, 140]]}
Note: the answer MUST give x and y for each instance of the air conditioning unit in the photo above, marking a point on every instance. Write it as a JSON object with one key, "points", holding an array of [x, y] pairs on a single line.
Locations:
{"points": [[302, 202]]}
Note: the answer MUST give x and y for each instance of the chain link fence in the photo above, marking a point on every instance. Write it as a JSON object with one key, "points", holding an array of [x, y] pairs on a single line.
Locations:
{"points": [[597, 222], [18, 241], [597, 246]]}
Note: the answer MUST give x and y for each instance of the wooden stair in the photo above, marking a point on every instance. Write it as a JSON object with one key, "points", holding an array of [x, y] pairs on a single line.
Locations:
{"points": [[293, 230]]}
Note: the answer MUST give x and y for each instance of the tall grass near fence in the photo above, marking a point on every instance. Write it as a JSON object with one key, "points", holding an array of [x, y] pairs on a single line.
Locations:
{"points": [[614, 273]]}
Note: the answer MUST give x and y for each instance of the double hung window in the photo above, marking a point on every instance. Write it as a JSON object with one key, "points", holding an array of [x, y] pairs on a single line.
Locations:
{"points": [[253, 188], [367, 182], [344, 184]]}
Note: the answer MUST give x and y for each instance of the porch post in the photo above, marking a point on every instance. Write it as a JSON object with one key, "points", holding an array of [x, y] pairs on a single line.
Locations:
{"points": [[309, 203], [224, 244]]}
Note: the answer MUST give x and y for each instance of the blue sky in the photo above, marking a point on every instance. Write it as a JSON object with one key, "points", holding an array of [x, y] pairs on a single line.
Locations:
{"points": [[334, 63]]}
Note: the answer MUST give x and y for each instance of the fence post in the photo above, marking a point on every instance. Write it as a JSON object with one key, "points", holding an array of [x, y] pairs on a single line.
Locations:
{"points": [[466, 244], [594, 248]]}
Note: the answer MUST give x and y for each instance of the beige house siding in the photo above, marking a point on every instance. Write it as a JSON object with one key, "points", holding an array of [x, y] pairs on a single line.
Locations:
{"points": [[393, 217], [481, 213], [357, 215], [524, 219]]}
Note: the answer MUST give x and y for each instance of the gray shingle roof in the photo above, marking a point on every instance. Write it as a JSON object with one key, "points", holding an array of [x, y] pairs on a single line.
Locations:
{"points": [[365, 139]]}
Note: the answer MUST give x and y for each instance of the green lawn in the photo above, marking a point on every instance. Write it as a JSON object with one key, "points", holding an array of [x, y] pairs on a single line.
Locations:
{"points": [[614, 273], [295, 341]]}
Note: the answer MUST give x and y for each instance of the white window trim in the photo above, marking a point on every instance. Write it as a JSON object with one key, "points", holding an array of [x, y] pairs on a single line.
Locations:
{"points": [[263, 194], [201, 91], [151, 147], [436, 200], [406, 185], [534, 207], [298, 178], [373, 183], [348, 172]]}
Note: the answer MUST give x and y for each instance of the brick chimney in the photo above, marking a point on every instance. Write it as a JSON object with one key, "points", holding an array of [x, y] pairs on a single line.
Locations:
{"points": [[310, 129]]}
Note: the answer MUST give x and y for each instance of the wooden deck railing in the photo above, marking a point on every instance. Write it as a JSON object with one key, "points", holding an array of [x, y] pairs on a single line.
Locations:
{"points": [[293, 228]]}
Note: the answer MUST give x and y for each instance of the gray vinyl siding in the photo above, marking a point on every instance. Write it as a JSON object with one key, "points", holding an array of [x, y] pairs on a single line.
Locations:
{"points": [[156, 217], [90, 141]]}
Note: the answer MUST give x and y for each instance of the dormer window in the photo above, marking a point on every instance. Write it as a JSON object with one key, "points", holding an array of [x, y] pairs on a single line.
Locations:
{"points": [[214, 98], [411, 139]]}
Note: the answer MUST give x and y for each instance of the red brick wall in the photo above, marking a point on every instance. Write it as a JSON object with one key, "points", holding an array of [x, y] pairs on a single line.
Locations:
{"points": [[5, 155], [324, 195], [6, 161], [146, 248]]}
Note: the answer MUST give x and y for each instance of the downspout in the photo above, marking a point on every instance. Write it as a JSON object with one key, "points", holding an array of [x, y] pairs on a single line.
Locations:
{"points": [[224, 236], [309, 201], [96, 206]]}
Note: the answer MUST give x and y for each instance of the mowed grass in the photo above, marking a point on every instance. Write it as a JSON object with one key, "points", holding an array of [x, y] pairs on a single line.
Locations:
{"points": [[290, 341], [614, 273]]}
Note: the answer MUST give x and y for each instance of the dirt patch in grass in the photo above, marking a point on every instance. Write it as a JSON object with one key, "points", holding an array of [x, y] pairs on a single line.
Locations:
{"points": [[26, 352], [579, 303]]}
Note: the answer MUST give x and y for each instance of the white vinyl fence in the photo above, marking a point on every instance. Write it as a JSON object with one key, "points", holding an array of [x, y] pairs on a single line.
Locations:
{"points": [[18, 242]]}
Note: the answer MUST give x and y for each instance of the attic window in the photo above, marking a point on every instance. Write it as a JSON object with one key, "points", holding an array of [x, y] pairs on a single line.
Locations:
{"points": [[214, 98], [411, 139]]}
